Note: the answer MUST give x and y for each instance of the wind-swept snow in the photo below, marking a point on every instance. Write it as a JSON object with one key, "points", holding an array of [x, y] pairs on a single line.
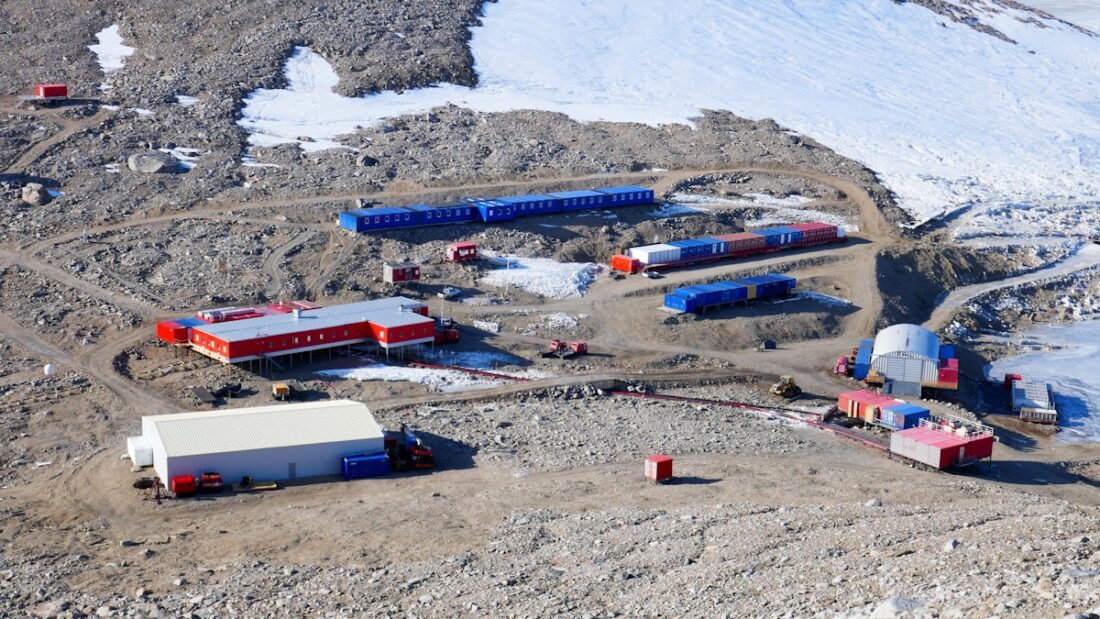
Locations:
{"points": [[111, 52], [999, 123], [1081, 12]]}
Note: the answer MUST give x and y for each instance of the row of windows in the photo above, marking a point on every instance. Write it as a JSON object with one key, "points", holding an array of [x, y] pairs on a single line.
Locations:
{"points": [[626, 196], [439, 214]]}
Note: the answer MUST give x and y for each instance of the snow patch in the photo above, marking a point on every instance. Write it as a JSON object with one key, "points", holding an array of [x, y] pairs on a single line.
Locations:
{"points": [[111, 52], [447, 381], [186, 101], [187, 157], [780, 210], [670, 209], [542, 276], [1067, 357]]}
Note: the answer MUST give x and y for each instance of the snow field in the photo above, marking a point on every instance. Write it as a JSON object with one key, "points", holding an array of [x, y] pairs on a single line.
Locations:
{"points": [[1007, 123]]}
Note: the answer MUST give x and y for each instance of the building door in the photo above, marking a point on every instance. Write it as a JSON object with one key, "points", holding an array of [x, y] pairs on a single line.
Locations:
{"points": [[293, 472]]}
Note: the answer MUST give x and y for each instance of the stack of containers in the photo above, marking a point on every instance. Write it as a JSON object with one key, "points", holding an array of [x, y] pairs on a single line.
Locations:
{"points": [[863, 359], [771, 285], [778, 237], [903, 416], [698, 298], [948, 366], [700, 248], [660, 253], [742, 242], [813, 233], [865, 405], [534, 204]]}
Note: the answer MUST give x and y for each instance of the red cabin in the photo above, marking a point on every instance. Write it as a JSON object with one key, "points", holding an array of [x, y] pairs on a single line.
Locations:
{"points": [[461, 252], [51, 92], [658, 468], [400, 273]]}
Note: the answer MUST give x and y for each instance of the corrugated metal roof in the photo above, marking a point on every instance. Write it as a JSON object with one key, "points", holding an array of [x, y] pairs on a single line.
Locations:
{"points": [[264, 427], [323, 318], [388, 321], [906, 338], [1031, 394]]}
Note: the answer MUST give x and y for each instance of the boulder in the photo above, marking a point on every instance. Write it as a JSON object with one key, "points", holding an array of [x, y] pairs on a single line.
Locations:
{"points": [[35, 194], [153, 163]]}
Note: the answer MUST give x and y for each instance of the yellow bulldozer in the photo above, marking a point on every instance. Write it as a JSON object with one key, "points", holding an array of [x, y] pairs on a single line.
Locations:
{"points": [[786, 388]]}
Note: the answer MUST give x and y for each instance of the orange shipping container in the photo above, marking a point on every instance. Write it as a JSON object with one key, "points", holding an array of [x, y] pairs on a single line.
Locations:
{"points": [[626, 264]]}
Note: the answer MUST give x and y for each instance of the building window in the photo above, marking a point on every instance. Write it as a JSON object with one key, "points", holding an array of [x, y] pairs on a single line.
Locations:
{"points": [[309, 338], [345, 332], [376, 219], [321, 337], [387, 218], [295, 340]]}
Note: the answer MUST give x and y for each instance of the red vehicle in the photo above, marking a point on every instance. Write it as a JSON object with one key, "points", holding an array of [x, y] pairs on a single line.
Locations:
{"points": [[51, 92], [461, 252], [210, 482], [578, 348], [406, 450], [183, 485]]}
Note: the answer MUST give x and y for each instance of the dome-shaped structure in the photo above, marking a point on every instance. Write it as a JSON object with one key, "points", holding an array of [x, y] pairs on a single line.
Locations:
{"points": [[905, 357], [913, 340]]}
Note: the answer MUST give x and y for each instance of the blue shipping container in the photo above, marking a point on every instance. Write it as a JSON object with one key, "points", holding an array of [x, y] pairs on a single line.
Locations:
{"points": [[680, 302], [492, 210], [580, 200], [947, 351], [350, 221], [771, 285], [903, 416], [863, 359], [628, 195], [361, 467], [535, 204]]}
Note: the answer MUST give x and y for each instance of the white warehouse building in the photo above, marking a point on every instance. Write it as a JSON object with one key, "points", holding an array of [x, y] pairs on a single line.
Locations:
{"points": [[270, 443], [906, 356]]}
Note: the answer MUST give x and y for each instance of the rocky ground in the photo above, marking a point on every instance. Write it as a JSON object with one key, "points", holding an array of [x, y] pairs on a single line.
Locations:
{"points": [[538, 507]]}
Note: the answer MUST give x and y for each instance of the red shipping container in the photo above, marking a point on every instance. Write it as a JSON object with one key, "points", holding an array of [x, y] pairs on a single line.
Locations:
{"points": [[816, 232], [743, 241], [658, 468], [1011, 377], [626, 264], [51, 91], [949, 376], [848, 401], [172, 332]]}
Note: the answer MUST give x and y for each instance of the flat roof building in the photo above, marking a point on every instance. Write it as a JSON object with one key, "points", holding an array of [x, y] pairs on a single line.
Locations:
{"points": [[285, 441]]}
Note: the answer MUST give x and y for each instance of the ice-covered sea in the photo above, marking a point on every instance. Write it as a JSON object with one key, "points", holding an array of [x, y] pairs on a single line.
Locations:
{"points": [[1072, 367]]}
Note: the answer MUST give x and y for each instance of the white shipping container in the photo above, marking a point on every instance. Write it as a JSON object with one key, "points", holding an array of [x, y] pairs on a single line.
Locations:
{"points": [[655, 254], [140, 450]]}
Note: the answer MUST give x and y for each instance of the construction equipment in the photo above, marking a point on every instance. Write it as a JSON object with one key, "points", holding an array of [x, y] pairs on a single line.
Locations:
{"points": [[767, 345], [210, 482], [575, 349], [554, 348], [786, 388], [406, 450]]}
